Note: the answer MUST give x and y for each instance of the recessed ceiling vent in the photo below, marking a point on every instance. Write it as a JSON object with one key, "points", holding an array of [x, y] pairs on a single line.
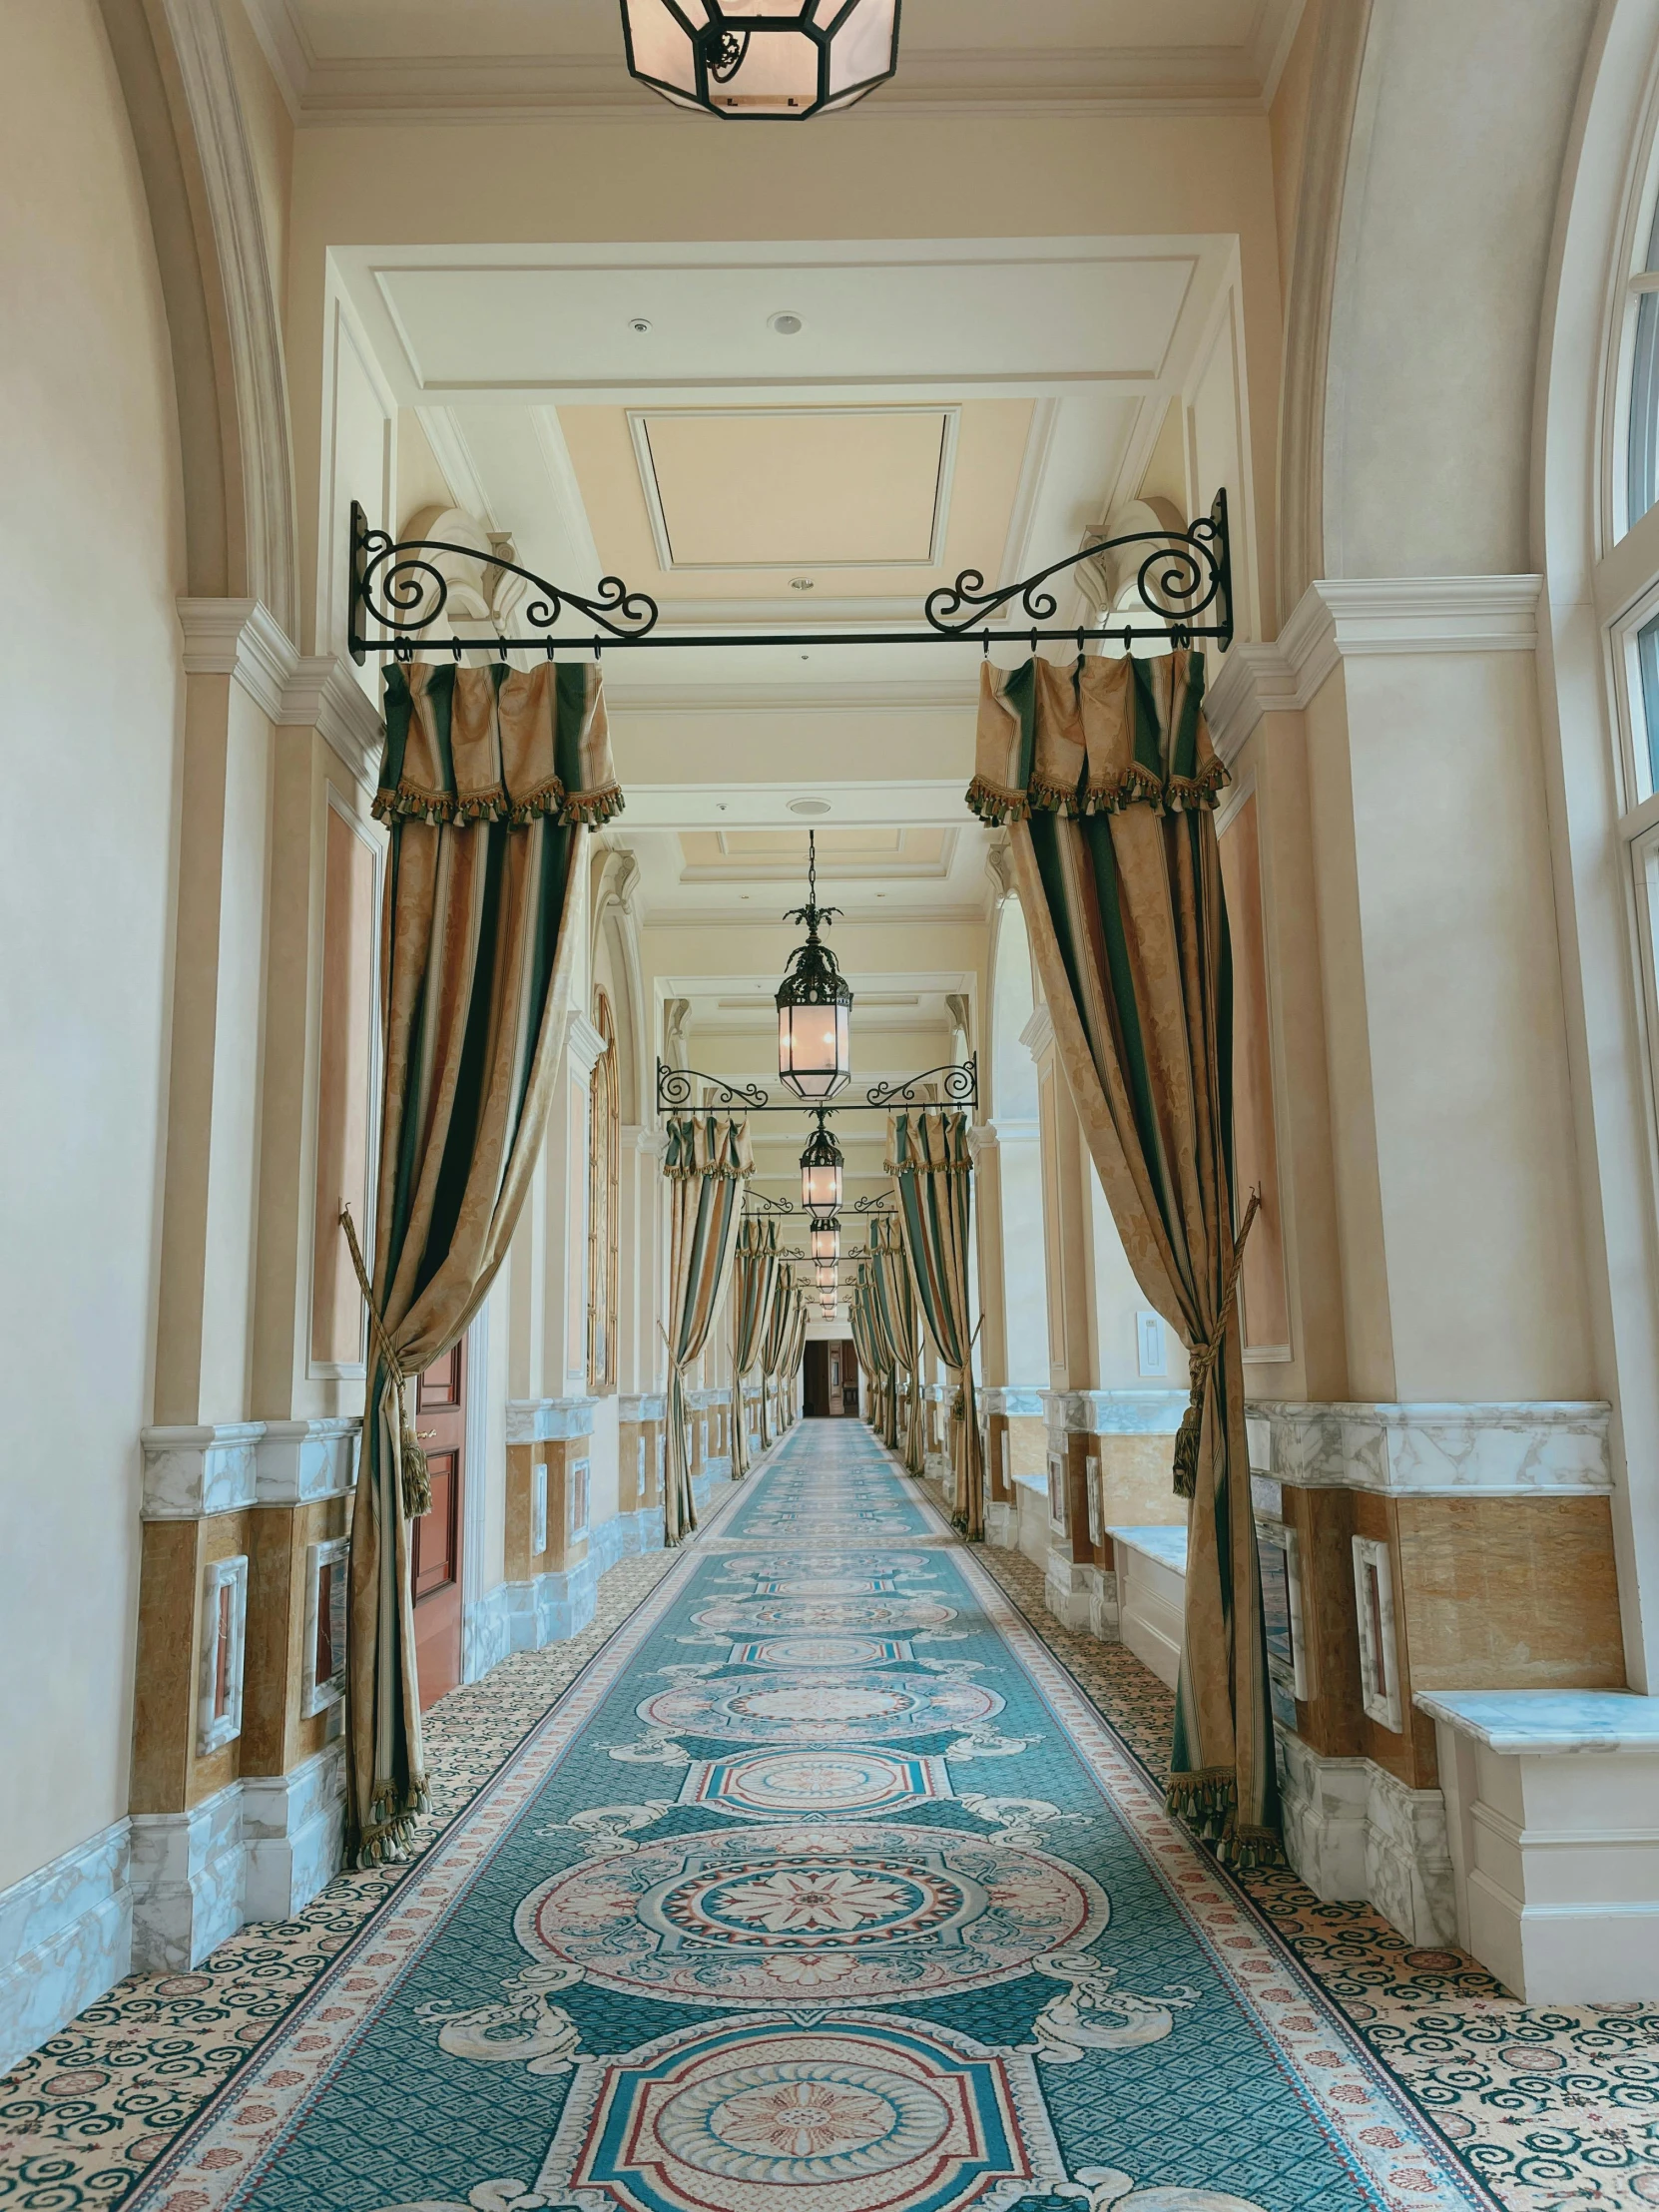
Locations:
{"points": [[808, 806]]}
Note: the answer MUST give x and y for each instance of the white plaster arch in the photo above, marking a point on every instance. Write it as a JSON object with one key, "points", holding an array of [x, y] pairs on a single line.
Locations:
{"points": [[235, 440], [1442, 214]]}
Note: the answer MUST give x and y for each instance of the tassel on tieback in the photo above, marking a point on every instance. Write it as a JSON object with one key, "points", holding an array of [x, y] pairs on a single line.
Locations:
{"points": [[414, 1473], [1203, 1356]]}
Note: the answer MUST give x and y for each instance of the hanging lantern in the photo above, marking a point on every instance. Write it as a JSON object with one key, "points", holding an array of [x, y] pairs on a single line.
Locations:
{"points": [[750, 60], [828, 1275], [814, 1005], [821, 1173], [826, 1239]]}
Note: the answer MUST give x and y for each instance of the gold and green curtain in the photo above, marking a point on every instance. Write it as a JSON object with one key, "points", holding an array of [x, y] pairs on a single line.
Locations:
{"points": [[1105, 775], [774, 1342], [488, 775], [705, 1161], [932, 1172], [896, 1292], [754, 1272], [882, 1344], [857, 1307], [795, 1354]]}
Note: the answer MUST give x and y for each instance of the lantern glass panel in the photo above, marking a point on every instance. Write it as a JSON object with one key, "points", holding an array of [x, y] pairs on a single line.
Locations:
{"points": [[826, 1243], [815, 1049], [659, 46], [821, 1188], [777, 75], [863, 46]]}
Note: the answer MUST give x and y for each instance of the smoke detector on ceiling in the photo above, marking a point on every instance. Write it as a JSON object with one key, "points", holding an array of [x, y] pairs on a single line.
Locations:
{"points": [[808, 806], [785, 322]]}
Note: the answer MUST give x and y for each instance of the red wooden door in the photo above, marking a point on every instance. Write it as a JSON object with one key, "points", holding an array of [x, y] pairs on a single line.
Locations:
{"points": [[435, 1538]]}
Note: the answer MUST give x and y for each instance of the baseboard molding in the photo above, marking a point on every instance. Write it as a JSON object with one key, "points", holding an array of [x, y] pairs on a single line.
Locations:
{"points": [[66, 1936]]}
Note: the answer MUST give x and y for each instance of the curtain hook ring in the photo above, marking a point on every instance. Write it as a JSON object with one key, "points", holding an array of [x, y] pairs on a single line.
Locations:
{"points": [[550, 649], [1033, 645], [597, 649], [455, 648], [984, 645]]}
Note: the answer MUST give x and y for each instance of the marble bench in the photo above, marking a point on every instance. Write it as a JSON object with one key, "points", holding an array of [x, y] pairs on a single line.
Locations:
{"points": [[1152, 1594], [1552, 1814]]}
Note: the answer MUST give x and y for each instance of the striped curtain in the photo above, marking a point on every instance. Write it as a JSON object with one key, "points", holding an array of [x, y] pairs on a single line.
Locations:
{"points": [[928, 1158], [857, 1307], [1105, 775], [705, 1161], [754, 1270], [882, 1344], [488, 774], [774, 1343], [898, 1297], [795, 1354]]}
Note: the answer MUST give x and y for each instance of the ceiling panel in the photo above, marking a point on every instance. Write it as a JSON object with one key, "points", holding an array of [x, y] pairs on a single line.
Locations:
{"points": [[788, 487], [1036, 308], [783, 496]]}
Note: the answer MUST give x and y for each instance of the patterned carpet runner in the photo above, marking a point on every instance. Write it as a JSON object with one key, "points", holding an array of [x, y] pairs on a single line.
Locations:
{"points": [[823, 1887]]}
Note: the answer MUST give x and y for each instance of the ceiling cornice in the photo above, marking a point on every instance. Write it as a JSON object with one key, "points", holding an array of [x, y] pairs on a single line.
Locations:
{"points": [[975, 80]]}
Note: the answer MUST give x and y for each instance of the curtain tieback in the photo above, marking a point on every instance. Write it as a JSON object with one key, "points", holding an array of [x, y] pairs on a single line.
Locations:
{"points": [[416, 1476], [1203, 1357]]}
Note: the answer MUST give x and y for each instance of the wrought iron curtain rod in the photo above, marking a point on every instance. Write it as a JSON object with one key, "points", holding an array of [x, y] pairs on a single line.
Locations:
{"points": [[1183, 575], [958, 1083]]}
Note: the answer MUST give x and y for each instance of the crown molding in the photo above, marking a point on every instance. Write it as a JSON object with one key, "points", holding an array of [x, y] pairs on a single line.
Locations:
{"points": [[1362, 617], [324, 695], [241, 639], [1005, 81]]}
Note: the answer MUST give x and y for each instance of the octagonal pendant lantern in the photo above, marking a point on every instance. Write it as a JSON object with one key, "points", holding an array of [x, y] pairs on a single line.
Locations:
{"points": [[814, 1005], [762, 60], [826, 1239], [829, 1277], [820, 1174]]}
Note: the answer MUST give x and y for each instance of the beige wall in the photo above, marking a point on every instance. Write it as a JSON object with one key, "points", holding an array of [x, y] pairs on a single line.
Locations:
{"points": [[90, 559]]}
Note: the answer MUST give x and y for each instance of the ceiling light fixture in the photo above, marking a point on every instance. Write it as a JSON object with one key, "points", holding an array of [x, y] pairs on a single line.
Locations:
{"points": [[786, 323], [826, 1238], [821, 1173], [760, 60], [814, 1005]]}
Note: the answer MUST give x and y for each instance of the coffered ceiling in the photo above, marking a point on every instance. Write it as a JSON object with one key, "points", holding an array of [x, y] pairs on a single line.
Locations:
{"points": [[341, 61]]}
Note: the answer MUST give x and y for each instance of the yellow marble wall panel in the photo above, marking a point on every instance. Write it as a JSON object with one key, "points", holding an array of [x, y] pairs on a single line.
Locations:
{"points": [[1510, 1593]]}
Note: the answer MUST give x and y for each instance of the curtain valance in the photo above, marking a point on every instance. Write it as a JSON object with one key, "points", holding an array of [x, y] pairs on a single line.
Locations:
{"points": [[496, 744], [1092, 738]]}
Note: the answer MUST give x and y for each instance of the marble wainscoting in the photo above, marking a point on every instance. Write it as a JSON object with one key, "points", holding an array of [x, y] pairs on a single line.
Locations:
{"points": [[66, 1936], [559, 1552], [1552, 1812], [1015, 1455], [1479, 1539], [1110, 1459], [248, 1822]]}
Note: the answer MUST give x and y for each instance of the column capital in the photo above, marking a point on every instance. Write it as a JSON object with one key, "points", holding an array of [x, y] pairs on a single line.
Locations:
{"points": [[1038, 1034], [584, 1046]]}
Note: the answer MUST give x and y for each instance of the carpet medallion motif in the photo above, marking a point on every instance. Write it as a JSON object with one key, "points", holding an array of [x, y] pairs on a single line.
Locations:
{"points": [[906, 1933]]}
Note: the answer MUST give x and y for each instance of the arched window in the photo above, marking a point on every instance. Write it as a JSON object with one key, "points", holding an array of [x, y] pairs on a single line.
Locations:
{"points": [[604, 1142]]}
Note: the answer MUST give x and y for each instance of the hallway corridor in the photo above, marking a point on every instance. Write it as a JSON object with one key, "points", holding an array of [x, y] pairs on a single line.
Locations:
{"points": [[823, 1877]]}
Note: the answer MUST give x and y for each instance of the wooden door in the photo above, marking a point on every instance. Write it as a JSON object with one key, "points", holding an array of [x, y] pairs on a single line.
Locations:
{"points": [[435, 1538], [815, 1395], [850, 1377]]}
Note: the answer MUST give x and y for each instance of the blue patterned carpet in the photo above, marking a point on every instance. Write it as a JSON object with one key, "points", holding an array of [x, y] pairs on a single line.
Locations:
{"points": [[824, 1883]]}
